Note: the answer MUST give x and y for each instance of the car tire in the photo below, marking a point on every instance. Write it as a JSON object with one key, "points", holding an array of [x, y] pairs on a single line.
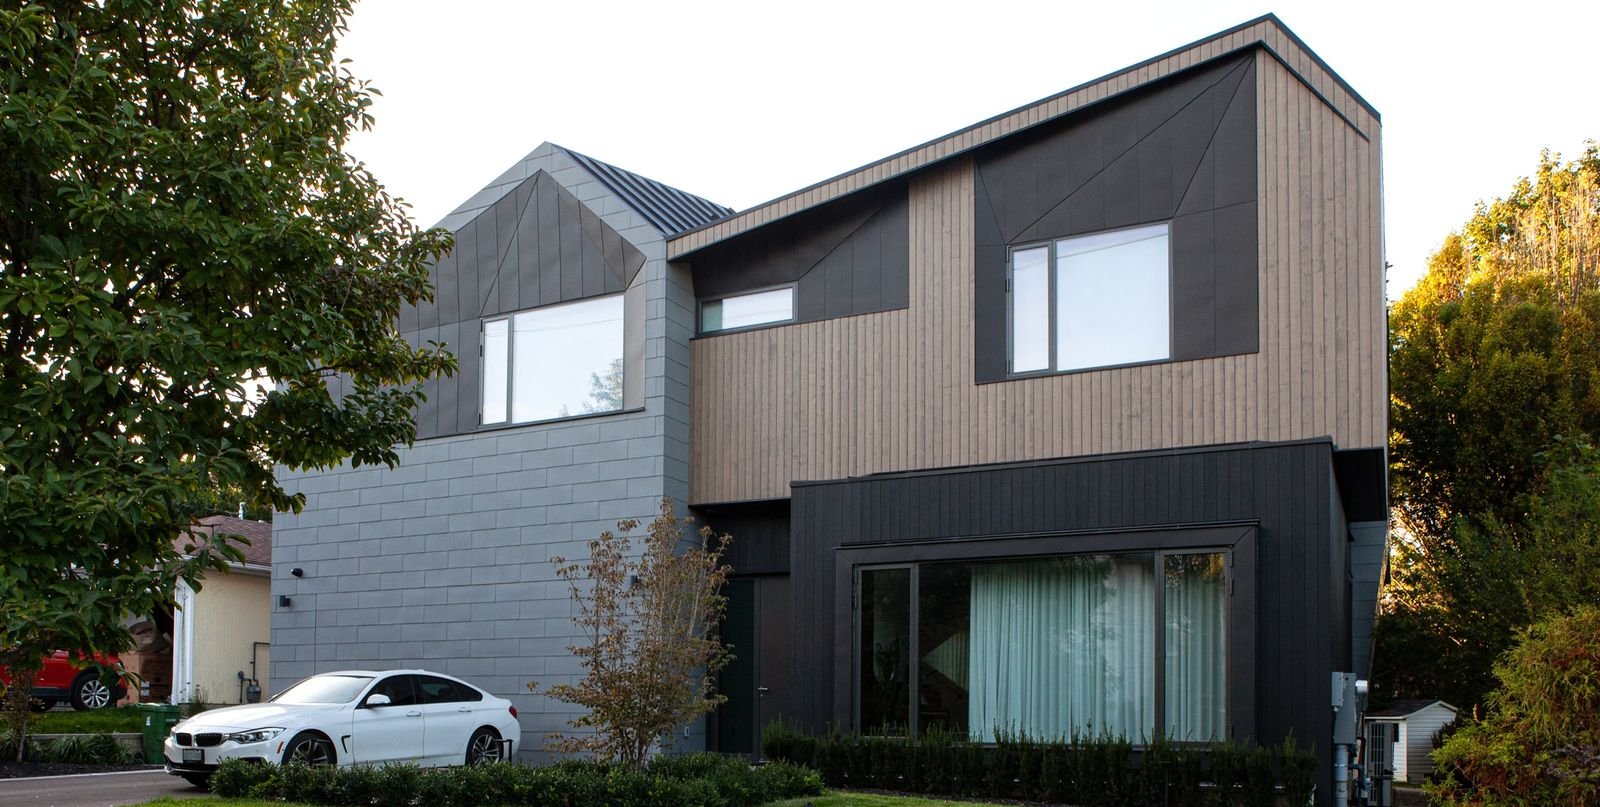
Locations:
{"points": [[90, 693], [200, 780], [484, 746], [310, 748]]}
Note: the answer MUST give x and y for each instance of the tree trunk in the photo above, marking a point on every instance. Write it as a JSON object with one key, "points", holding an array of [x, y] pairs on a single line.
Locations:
{"points": [[19, 706]]}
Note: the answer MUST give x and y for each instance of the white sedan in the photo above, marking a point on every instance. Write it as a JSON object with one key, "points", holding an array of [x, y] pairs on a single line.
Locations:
{"points": [[353, 717]]}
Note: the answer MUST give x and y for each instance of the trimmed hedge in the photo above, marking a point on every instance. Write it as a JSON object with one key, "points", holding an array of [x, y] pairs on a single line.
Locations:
{"points": [[696, 780], [1099, 771]]}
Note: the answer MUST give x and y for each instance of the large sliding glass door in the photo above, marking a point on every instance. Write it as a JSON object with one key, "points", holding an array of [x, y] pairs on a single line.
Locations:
{"points": [[1130, 644], [884, 630]]}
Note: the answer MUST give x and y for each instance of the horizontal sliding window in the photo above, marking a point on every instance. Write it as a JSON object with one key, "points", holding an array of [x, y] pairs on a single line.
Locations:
{"points": [[747, 310], [1127, 644], [1091, 301], [554, 362]]}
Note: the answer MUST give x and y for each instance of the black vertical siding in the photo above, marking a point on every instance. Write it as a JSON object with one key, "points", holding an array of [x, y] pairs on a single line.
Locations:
{"points": [[760, 533], [1287, 489]]}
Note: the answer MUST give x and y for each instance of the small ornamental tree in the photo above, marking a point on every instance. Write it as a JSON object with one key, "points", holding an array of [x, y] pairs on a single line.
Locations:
{"points": [[651, 628]]}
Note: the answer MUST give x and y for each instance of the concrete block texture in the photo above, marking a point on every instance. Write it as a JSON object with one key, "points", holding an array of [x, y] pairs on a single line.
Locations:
{"points": [[444, 563]]}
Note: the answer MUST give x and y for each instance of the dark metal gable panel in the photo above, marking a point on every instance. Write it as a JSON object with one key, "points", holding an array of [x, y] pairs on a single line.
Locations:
{"points": [[540, 246], [1181, 150]]}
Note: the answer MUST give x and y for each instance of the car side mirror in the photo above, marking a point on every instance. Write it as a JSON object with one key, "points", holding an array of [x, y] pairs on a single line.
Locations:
{"points": [[378, 699]]}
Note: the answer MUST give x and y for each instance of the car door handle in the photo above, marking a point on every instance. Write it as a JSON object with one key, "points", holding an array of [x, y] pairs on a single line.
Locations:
{"points": [[466, 710], [413, 714]]}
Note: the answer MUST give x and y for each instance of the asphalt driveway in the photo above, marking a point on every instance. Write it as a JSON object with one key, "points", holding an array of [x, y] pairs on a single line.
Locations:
{"points": [[95, 789]]}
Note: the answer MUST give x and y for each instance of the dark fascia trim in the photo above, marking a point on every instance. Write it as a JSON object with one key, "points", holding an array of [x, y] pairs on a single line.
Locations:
{"points": [[712, 507], [1273, 18], [1124, 455], [731, 503], [1159, 536], [1295, 38]]}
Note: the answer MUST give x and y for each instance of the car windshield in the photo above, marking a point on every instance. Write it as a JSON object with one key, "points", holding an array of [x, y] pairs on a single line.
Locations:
{"points": [[324, 689]]}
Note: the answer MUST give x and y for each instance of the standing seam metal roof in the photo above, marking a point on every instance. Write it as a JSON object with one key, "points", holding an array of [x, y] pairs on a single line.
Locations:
{"points": [[670, 210]]}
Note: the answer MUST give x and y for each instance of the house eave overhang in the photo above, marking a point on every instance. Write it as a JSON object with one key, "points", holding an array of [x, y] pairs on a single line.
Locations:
{"points": [[1267, 33]]}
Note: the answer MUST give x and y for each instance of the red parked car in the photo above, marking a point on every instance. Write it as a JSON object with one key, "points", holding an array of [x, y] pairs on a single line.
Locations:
{"points": [[60, 681]]}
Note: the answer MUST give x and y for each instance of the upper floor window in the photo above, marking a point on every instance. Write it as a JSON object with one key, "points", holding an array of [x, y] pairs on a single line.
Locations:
{"points": [[747, 310], [554, 362], [1091, 301]]}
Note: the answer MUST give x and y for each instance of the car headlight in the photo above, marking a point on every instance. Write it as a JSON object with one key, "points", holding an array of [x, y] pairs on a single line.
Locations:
{"points": [[254, 735]]}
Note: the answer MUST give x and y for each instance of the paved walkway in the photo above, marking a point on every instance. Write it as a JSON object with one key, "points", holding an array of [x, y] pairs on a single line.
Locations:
{"points": [[94, 789]]}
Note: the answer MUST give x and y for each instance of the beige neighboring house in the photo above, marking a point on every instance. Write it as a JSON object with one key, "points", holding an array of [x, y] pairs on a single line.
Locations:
{"points": [[221, 633]]}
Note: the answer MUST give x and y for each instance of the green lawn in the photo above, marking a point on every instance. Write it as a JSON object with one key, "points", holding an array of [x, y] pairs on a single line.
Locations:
{"points": [[214, 801], [111, 721], [834, 798], [831, 799]]}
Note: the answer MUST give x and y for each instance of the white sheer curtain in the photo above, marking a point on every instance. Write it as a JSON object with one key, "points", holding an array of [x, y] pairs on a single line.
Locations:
{"points": [[1196, 599], [1063, 645]]}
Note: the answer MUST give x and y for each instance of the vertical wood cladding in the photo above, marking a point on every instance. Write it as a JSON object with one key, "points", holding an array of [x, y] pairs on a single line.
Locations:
{"points": [[1287, 490], [1184, 151], [1266, 33], [844, 259], [538, 245], [895, 390]]}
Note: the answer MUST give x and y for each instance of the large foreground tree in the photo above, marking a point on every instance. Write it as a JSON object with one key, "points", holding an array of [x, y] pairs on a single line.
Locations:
{"points": [[1495, 379], [186, 257]]}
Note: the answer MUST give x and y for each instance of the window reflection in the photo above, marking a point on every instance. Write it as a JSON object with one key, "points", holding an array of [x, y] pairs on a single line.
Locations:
{"points": [[564, 360]]}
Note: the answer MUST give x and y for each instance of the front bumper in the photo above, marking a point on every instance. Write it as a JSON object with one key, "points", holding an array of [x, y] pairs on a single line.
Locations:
{"points": [[191, 759]]}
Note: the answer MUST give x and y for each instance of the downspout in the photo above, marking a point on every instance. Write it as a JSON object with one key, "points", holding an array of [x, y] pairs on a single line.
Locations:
{"points": [[183, 646]]}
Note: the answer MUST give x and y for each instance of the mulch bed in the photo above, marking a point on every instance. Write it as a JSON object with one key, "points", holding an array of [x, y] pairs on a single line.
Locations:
{"points": [[18, 770]]}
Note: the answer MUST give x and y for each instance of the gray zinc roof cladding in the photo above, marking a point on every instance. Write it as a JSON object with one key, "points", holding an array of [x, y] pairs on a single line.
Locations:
{"points": [[671, 211]]}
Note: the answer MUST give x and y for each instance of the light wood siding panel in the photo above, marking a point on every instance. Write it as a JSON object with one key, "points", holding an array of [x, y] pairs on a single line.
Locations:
{"points": [[894, 390], [1265, 32]]}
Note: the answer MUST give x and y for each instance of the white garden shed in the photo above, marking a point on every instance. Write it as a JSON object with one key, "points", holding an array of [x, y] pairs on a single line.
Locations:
{"points": [[1409, 726]]}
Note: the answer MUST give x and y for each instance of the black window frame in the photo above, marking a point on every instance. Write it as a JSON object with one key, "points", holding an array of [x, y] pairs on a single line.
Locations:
{"points": [[1236, 541], [1052, 297], [511, 362], [794, 309]]}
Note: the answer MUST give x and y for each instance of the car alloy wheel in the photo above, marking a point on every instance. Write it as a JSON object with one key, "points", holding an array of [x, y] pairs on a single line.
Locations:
{"points": [[309, 749], [90, 693], [483, 747]]}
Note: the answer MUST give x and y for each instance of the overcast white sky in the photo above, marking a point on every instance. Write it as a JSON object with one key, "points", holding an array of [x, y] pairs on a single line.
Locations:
{"points": [[741, 102]]}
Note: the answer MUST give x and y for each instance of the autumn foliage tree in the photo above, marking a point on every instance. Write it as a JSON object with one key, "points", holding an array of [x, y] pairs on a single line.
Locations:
{"points": [[187, 256], [1539, 742], [1495, 385], [652, 648]]}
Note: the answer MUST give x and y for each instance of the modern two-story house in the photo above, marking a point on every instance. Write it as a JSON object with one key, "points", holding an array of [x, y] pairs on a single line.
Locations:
{"points": [[1070, 421]]}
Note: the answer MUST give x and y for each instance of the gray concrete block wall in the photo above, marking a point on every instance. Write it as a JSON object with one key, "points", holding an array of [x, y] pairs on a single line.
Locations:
{"points": [[444, 562]]}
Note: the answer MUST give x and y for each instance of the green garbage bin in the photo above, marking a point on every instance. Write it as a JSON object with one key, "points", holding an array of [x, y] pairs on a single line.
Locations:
{"points": [[159, 718]]}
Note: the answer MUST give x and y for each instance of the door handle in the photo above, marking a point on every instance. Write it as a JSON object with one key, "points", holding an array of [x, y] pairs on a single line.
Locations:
{"points": [[762, 690], [466, 710], [413, 714]]}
